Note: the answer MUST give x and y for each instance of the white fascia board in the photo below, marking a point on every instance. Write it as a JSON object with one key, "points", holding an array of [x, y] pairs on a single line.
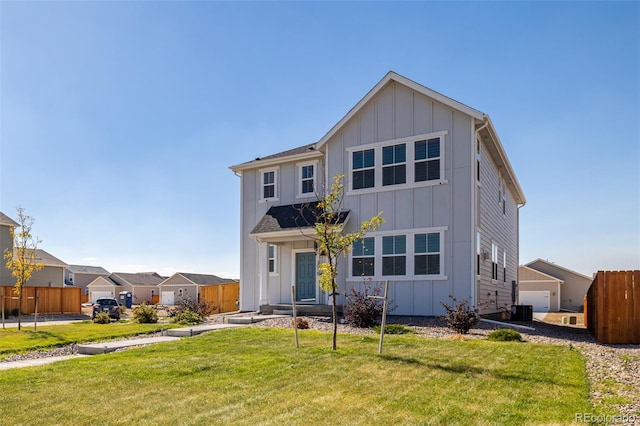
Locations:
{"points": [[406, 82], [276, 161], [284, 236]]}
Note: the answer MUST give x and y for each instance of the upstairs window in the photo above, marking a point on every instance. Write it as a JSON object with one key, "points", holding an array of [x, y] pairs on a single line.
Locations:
{"points": [[394, 167], [307, 179], [427, 160], [363, 169], [427, 254], [394, 259], [306, 183], [269, 182], [363, 255]]}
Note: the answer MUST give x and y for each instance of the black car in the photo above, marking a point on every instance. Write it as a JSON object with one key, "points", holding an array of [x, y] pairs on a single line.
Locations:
{"points": [[107, 304]]}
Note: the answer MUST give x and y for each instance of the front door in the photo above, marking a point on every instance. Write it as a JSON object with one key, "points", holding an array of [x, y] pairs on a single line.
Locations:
{"points": [[305, 276]]}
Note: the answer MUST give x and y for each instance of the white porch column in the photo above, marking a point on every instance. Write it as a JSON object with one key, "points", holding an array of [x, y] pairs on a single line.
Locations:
{"points": [[263, 272]]}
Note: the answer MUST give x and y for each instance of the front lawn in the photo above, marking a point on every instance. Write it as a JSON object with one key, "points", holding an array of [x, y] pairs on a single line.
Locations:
{"points": [[249, 376], [13, 341]]}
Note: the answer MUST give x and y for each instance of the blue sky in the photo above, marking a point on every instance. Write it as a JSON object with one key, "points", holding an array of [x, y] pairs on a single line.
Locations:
{"points": [[119, 120]]}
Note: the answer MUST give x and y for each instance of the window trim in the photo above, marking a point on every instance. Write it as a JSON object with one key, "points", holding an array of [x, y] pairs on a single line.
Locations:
{"points": [[261, 174], [275, 271], [494, 260], [372, 256], [409, 163], [409, 253], [299, 179]]}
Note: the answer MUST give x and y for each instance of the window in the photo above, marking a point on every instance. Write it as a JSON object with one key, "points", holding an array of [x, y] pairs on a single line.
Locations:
{"points": [[478, 251], [269, 182], [271, 258], [394, 259], [504, 266], [307, 179], [394, 167], [494, 261], [427, 254], [363, 255], [363, 169], [405, 162], [427, 160]]}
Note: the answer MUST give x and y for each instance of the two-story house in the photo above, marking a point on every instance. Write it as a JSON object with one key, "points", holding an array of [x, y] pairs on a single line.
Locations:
{"points": [[438, 172]]}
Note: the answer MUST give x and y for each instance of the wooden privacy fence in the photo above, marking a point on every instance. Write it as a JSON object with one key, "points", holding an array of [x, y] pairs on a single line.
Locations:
{"points": [[612, 307], [224, 296], [51, 300]]}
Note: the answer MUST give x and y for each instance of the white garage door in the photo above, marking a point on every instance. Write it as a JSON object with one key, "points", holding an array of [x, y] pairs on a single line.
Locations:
{"points": [[167, 298], [538, 299], [95, 295]]}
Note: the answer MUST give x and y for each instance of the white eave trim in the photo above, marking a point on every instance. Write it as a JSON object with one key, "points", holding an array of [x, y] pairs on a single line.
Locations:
{"points": [[277, 161]]}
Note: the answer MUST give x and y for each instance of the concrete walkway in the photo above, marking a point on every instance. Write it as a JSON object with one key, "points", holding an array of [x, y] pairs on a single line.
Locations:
{"points": [[113, 345]]}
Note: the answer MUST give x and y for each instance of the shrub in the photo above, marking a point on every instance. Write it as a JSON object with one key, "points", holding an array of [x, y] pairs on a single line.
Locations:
{"points": [[363, 311], [302, 324], [102, 318], [187, 316], [505, 335], [394, 329], [202, 309], [460, 317], [145, 314]]}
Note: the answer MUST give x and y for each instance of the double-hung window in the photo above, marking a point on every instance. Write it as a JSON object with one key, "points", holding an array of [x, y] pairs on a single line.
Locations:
{"points": [[269, 184], [427, 160], [394, 164], [427, 254], [363, 255], [306, 181], [363, 169], [272, 258], [394, 255]]}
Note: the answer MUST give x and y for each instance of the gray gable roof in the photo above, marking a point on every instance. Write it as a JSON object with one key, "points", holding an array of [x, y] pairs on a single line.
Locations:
{"points": [[82, 269], [292, 216], [204, 279], [141, 278], [48, 259], [6, 220]]}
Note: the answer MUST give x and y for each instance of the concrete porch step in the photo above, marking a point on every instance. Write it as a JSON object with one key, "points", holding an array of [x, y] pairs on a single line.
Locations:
{"points": [[301, 309]]}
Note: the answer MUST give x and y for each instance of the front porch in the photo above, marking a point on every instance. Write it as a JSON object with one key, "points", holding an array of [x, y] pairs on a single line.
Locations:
{"points": [[302, 309]]}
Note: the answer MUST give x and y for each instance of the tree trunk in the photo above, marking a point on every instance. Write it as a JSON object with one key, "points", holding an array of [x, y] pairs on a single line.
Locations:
{"points": [[20, 310], [335, 317]]}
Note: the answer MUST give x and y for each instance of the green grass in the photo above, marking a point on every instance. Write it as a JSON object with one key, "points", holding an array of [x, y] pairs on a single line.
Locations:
{"points": [[254, 376], [13, 341]]}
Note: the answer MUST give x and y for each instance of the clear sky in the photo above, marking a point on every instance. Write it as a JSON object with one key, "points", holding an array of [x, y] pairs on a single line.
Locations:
{"points": [[119, 119]]}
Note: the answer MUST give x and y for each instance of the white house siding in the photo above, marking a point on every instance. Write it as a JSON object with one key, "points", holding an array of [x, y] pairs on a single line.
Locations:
{"points": [[395, 113], [499, 229]]}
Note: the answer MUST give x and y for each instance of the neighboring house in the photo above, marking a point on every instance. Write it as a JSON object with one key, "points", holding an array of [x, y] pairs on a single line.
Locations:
{"points": [[6, 244], [540, 290], [142, 285], [105, 287], [573, 288], [185, 286], [81, 276], [51, 275], [438, 172]]}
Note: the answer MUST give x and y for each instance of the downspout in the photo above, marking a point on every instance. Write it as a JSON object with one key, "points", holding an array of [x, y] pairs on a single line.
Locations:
{"points": [[473, 207]]}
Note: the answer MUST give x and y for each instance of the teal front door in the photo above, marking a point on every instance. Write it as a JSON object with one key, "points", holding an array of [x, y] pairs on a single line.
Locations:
{"points": [[305, 276]]}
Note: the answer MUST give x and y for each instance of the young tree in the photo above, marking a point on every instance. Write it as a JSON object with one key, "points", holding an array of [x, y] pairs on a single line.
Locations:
{"points": [[333, 243], [22, 260]]}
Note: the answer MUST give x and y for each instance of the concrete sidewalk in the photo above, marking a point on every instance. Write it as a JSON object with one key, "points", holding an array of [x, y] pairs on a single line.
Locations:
{"points": [[113, 345]]}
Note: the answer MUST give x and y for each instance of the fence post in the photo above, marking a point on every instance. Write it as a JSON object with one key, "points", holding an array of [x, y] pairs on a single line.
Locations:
{"points": [[35, 314], [295, 318]]}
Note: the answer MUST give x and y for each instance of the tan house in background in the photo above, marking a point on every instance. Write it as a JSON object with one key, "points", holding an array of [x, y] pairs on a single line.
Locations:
{"points": [[185, 286], [6, 243], [552, 288], [142, 285], [81, 276]]}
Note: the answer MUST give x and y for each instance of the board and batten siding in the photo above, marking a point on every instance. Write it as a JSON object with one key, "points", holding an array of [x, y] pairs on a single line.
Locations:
{"points": [[398, 112], [501, 229]]}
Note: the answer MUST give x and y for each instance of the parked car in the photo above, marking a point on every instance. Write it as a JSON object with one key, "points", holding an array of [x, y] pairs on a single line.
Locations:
{"points": [[107, 304]]}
